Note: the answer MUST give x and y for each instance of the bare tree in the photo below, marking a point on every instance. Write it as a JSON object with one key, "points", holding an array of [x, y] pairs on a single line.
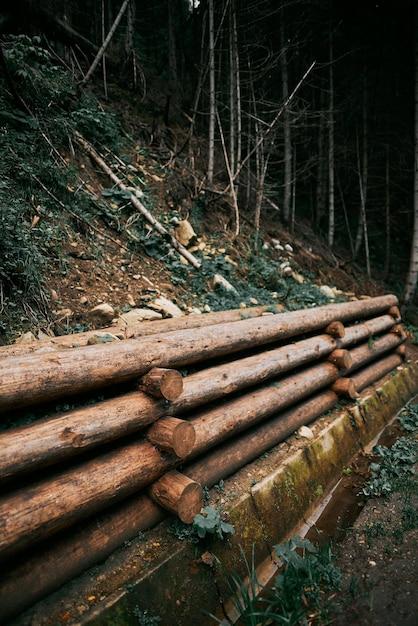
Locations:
{"points": [[411, 281], [331, 151], [212, 98], [287, 182]]}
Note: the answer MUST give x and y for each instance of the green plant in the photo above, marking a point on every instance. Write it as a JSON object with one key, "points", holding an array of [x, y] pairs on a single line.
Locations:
{"points": [[210, 522], [396, 464], [145, 618], [408, 418]]}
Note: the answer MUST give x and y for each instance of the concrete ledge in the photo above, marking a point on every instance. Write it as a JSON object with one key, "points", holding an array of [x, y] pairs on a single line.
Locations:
{"points": [[266, 501]]}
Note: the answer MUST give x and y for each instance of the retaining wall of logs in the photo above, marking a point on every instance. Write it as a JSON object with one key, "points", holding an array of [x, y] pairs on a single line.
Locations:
{"points": [[77, 484]]}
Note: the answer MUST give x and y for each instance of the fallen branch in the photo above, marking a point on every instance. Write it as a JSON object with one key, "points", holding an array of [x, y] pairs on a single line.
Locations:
{"points": [[88, 148]]}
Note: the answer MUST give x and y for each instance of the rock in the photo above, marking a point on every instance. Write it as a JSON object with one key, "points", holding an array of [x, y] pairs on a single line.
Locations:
{"points": [[288, 247], [84, 300], [305, 432], [26, 338], [242, 305], [101, 338], [166, 307], [231, 261], [219, 281], [137, 315], [184, 232], [207, 308], [136, 276], [298, 277], [43, 336], [275, 242], [287, 271], [253, 301], [64, 314], [266, 245], [130, 300], [101, 314], [327, 291], [54, 295], [195, 311]]}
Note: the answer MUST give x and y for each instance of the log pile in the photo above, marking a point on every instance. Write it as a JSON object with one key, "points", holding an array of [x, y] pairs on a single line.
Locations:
{"points": [[76, 485]]}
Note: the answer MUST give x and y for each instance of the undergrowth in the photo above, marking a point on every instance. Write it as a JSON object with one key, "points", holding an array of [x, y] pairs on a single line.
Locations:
{"points": [[40, 109], [300, 593]]}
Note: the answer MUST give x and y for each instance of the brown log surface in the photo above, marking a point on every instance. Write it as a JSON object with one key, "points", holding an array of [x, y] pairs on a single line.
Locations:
{"points": [[50, 440], [372, 373], [174, 435], [161, 382], [67, 372], [179, 494], [142, 329]]}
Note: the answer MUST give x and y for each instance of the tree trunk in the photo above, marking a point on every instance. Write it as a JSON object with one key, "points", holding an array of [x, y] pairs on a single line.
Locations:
{"points": [[370, 351], [92, 367], [143, 329], [411, 280], [287, 180], [331, 157], [368, 375], [212, 97], [105, 43]]}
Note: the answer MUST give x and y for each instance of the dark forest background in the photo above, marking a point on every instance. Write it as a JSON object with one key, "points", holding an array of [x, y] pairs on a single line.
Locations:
{"points": [[339, 155]]}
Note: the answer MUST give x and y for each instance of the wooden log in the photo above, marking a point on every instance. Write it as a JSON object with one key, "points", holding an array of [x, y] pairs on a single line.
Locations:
{"points": [[162, 383], [35, 512], [178, 494], [174, 435], [395, 312], [399, 330], [370, 328], [345, 387], [372, 373], [64, 557], [341, 358], [335, 329], [92, 367], [59, 437], [370, 351], [143, 329]]}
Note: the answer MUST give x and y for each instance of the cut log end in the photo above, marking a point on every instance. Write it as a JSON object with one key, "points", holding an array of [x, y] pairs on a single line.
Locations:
{"points": [[335, 329], [401, 351], [341, 358], [395, 312], [179, 494], [399, 330], [174, 435], [162, 383], [345, 387]]}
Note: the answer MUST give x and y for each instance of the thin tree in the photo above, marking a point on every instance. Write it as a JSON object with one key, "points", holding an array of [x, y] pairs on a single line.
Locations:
{"points": [[287, 182], [387, 213], [106, 42], [331, 151], [411, 281], [212, 99]]}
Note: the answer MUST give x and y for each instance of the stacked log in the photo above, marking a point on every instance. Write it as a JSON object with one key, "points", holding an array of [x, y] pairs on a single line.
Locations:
{"points": [[72, 372], [59, 437], [240, 414], [68, 556]]}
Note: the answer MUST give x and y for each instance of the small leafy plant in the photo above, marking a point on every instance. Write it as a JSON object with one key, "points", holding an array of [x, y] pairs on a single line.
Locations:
{"points": [[408, 418], [210, 522], [397, 463]]}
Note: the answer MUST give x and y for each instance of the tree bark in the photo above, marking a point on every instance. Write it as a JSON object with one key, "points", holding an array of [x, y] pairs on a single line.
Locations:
{"points": [[178, 494], [370, 374], [212, 95], [75, 371], [162, 383], [370, 351], [287, 181], [335, 329], [345, 387], [331, 156], [143, 329]]}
